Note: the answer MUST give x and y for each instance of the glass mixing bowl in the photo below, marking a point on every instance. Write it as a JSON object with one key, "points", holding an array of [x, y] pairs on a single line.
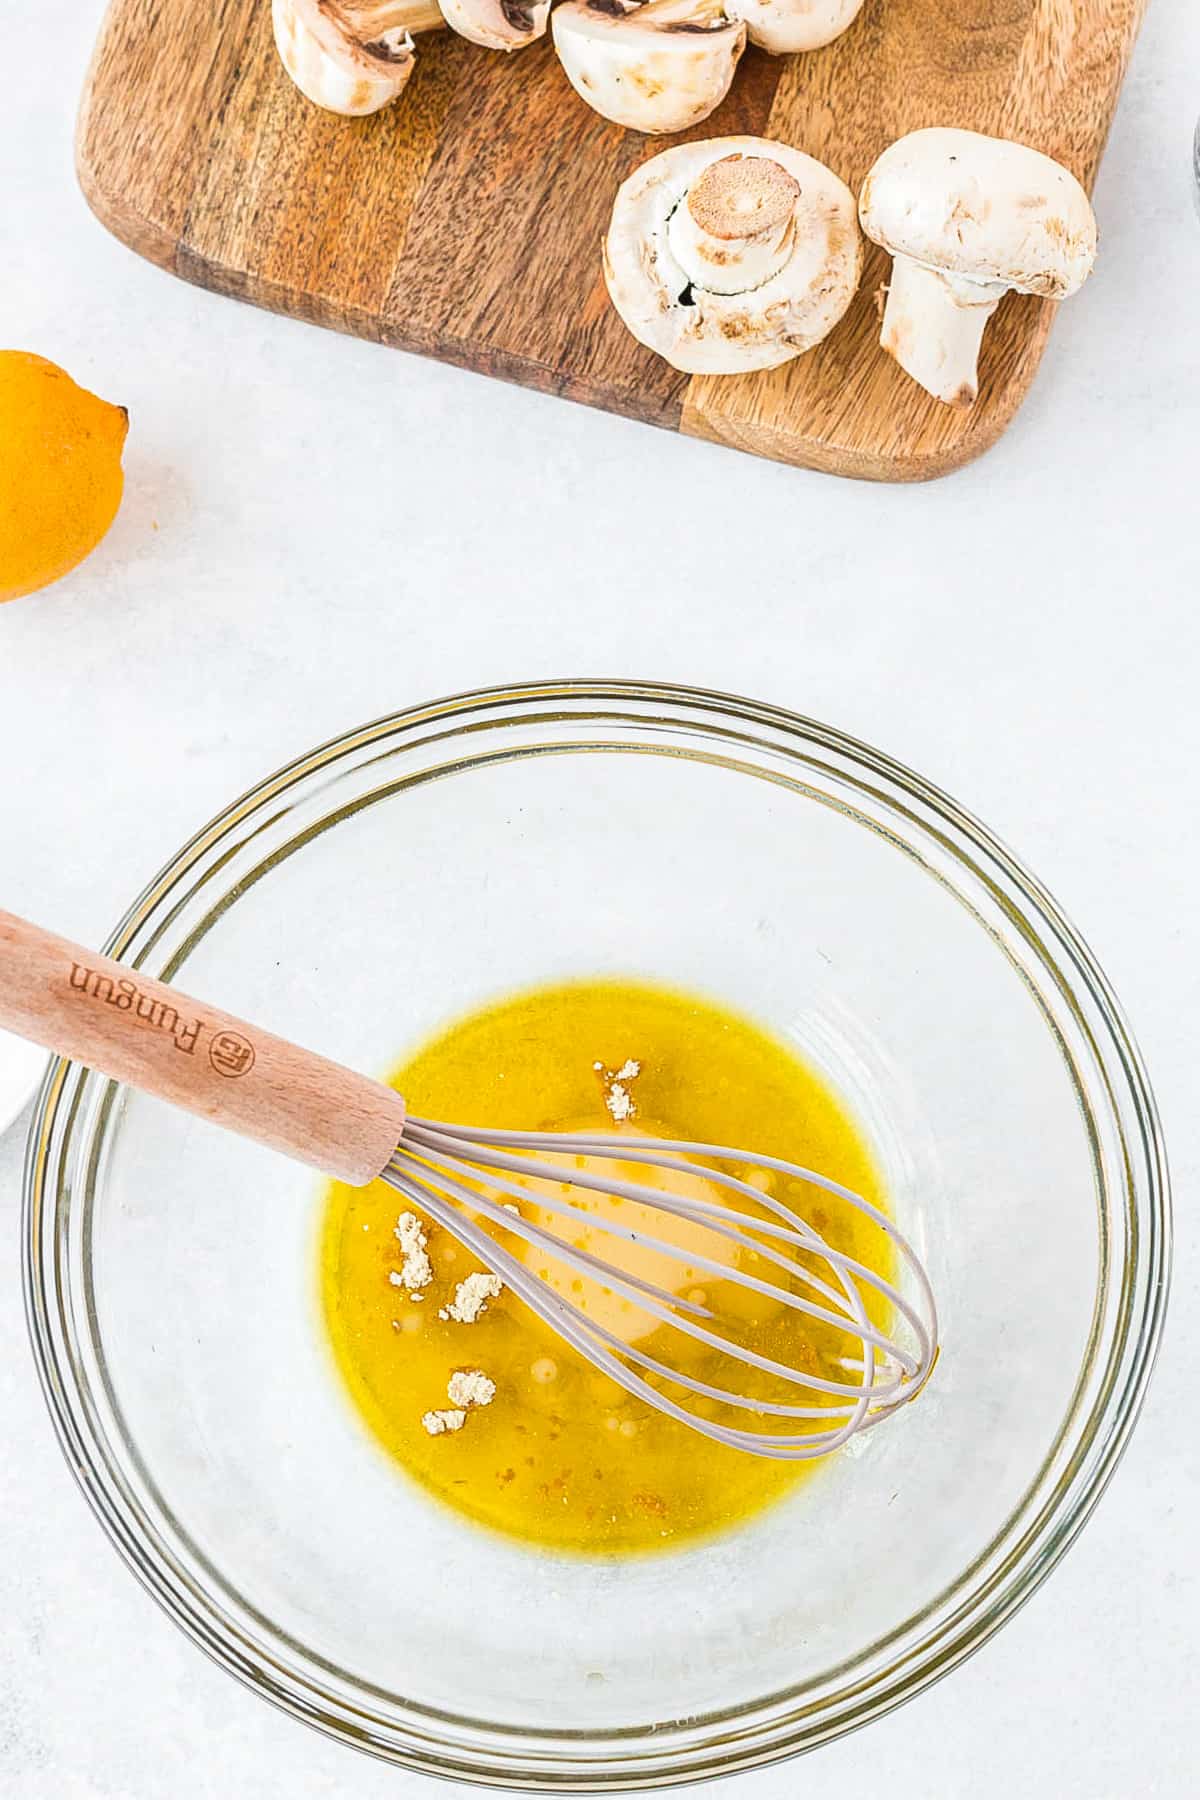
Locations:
{"points": [[364, 896]]}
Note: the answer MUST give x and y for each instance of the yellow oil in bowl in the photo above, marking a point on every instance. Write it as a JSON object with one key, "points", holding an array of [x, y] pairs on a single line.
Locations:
{"points": [[560, 1455]]}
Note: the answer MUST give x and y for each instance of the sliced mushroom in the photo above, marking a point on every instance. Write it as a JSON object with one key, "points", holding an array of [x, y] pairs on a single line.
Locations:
{"points": [[498, 24], [733, 254], [655, 67], [967, 218], [350, 56], [785, 26]]}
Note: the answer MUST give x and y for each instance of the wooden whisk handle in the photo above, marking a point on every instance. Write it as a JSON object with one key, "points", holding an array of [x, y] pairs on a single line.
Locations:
{"points": [[151, 1036]]}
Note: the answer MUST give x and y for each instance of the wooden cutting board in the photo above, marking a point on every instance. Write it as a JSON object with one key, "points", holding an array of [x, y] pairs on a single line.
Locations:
{"points": [[465, 221]]}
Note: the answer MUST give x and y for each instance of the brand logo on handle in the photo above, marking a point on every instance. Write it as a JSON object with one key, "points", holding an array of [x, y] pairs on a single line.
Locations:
{"points": [[231, 1054]]}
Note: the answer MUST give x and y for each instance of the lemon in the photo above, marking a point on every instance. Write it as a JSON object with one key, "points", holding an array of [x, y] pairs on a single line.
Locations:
{"points": [[60, 471]]}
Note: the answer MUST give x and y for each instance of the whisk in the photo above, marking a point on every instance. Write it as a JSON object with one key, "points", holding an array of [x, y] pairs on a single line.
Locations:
{"points": [[142, 1032]]}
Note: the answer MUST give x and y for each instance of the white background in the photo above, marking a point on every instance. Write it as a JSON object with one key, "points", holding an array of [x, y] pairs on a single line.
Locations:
{"points": [[317, 531]]}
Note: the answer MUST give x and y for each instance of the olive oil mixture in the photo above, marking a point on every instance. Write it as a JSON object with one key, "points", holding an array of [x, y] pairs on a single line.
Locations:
{"points": [[558, 1454]]}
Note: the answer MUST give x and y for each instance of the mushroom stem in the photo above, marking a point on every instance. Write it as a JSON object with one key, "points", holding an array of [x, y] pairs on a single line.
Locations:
{"points": [[735, 229], [373, 20], [933, 325]]}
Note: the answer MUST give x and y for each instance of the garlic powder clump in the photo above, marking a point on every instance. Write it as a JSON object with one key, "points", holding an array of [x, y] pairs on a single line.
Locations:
{"points": [[471, 1297], [466, 1388], [443, 1419], [470, 1387], [416, 1271], [615, 1082]]}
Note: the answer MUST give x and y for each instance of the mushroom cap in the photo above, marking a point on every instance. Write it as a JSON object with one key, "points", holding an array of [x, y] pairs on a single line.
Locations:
{"points": [[497, 24], [331, 65], [702, 332], [785, 26], [657, 67], [984, 208]]}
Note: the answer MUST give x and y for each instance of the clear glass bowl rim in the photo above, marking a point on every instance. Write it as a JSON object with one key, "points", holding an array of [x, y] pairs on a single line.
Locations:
{"points": [[765, 1731]]}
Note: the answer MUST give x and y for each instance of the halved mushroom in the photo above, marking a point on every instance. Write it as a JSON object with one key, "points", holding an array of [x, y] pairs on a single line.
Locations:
{"points": [[967, 218], [350, 56], [732, 254], [498, 24], [659, 66], [785, 26]]}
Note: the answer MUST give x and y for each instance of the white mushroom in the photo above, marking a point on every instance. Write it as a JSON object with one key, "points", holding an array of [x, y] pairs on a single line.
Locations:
{"points": [[785, 26], [498, 24], [655, 67], [736, 253], [350, 56], [967, 218]]}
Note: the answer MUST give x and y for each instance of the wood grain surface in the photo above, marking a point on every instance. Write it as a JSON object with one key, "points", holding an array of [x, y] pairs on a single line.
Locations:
{"points": [[465, 221]]}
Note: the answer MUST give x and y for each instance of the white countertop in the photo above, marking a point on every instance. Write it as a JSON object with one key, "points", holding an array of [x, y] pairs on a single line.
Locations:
{"points": [[317, 531]]}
